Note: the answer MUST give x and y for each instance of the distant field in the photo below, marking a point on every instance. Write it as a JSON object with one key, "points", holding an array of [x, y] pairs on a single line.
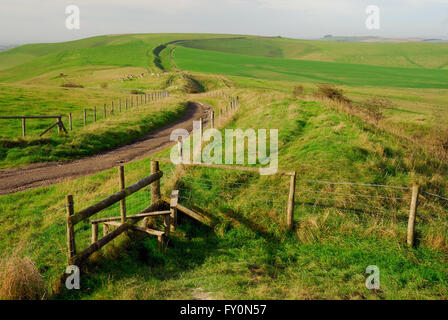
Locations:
{"points": [[412, 55], [308, 71]]}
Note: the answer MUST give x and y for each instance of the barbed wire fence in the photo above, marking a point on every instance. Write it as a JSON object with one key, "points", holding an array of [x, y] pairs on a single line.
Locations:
{"points": [[391, 203]]}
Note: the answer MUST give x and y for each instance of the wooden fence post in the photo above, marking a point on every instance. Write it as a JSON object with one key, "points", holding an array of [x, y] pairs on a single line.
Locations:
{"points": [[85, 117], [212, 119], [126, 106], [412, 215], [155, 186], [94, 114], [94, 232], [23, 127], [112, 110], [59, 125], [71, 244], [173, 209], [123, 201], [119, 106], [291, 199], [105, 111], [70, 123]]}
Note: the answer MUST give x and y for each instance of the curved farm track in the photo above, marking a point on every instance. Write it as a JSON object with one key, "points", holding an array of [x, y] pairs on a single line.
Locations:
{"points": [[46, 174]]}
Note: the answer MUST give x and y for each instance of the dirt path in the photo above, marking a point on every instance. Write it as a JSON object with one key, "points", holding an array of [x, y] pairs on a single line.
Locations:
{"points": [[45, 174]]}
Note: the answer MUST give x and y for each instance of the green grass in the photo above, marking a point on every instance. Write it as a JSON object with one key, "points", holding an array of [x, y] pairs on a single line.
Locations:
{"points": [[248, 254], [409, 55], [308, 71]]}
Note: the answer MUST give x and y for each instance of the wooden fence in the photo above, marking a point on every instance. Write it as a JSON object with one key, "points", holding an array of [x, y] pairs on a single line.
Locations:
{"points": [[59, 123], [115, 106], [291, 174], [125, 222], [118, 106]]}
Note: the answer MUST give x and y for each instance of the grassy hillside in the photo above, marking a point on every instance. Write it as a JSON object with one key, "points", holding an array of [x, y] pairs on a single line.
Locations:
{"points": [[248, 254], [134, 50], [308, 71], [412, 55], [32, 79], [340, 228]]}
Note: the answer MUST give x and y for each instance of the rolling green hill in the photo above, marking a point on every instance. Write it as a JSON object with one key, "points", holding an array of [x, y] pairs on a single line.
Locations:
{"points": [[341, 226], [412, 55], [134, 50], [308, 71]]}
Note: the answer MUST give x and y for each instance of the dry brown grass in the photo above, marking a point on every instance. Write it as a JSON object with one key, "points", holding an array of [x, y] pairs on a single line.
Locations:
{"points": [[311, 229], [20, 279], [432, 145]]}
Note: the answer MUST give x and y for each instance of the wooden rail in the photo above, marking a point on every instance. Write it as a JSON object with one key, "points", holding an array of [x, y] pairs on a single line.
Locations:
{"points": [[90, 211], [30, 117], [189, 212], [227, 167]]}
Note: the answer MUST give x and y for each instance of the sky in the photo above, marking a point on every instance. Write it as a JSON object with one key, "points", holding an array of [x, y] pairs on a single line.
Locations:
{"points": [[33, 21]]}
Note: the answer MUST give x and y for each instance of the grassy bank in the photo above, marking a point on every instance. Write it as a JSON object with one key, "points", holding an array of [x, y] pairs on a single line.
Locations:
{"points": [[248, 253]]}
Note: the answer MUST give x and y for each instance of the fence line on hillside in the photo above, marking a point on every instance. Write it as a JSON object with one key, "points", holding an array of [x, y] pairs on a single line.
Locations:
{"points": [[116, 106], [59, 124], [395, 199], [92, 114]]}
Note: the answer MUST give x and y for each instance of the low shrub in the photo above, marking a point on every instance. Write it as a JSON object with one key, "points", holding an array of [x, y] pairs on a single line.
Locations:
{"points": [[331, 92], [373, 108]]}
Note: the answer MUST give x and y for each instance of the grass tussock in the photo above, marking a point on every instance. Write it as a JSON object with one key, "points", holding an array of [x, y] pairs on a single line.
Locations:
{"points": [[20, 279]]}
